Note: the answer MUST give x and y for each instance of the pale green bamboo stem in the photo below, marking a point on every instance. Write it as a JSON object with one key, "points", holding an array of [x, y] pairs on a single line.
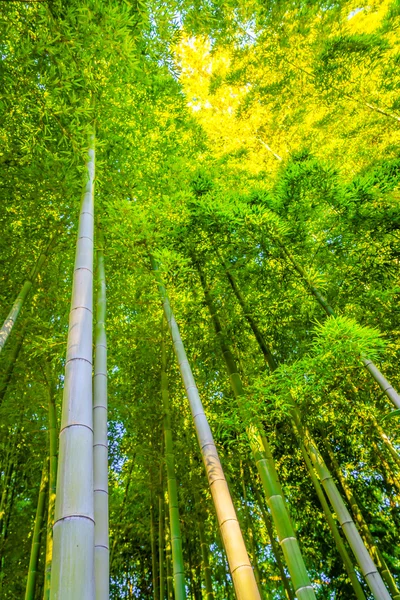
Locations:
{"points": [[358, 591], [52, 486], [247, 519], [170, 581], [37, 531], [19, 302], [153, 551], [266, 467], [361, 553], [205, 560], [368, 539], [100, 441], [72, 574], [161, 533], [274, 545], [11, 363], [240, 567], [175, 528], [349, 528]]}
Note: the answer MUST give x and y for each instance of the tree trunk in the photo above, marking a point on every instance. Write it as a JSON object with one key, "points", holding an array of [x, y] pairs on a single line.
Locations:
{"points": [[175, 528], [72, 574], [37, 533], [265, 465], [100, 441], [12, 317], [242, 572]]}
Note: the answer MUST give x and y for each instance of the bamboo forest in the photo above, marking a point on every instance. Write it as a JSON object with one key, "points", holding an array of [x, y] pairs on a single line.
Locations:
{"points": [[199, 299]]}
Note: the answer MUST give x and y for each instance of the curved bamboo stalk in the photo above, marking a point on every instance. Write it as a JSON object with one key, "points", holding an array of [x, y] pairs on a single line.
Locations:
{"points": [[13, 315], [100, 442], [175, 528], [37, 532], [240, 567], [73, 532]]}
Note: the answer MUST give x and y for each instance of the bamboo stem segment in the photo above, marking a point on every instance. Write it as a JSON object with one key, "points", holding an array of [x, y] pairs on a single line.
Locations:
{"points": [[73, 533], [37, 531], [175, 528], [240, 567], [100, 442]]}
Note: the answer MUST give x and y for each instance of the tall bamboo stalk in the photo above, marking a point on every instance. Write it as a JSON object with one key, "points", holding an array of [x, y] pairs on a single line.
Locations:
{"points": [[368, 539], [265, 465], [100, 442], [161, 532], [11, 363], [372, 369], [52, 486], [12, 317], [247, 520], [354, 539], [37, 533], [240, 567], [175, 528], [274, 545], [153, 551], [358, 591], [72, 573], [205, 560]]}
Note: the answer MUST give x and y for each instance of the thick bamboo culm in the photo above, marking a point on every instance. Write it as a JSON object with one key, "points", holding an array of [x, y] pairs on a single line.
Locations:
{"points": [[239, 563], [72, 573], [100, 442]]}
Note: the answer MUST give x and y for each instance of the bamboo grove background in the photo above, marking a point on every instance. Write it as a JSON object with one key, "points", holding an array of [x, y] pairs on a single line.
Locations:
{"points": [[247, 175]]}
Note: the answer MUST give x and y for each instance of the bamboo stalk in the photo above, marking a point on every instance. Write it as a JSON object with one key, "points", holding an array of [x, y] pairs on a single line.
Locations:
{"points": [[100, 441], [265, 465], [175, 529], [161, 533], [11, 363], [368, 539], [358, 591], [153, 551], [274, 545], [13, 315], [52, 487], [37, 532], [364, 560], [73, 533], [240, 567]]}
